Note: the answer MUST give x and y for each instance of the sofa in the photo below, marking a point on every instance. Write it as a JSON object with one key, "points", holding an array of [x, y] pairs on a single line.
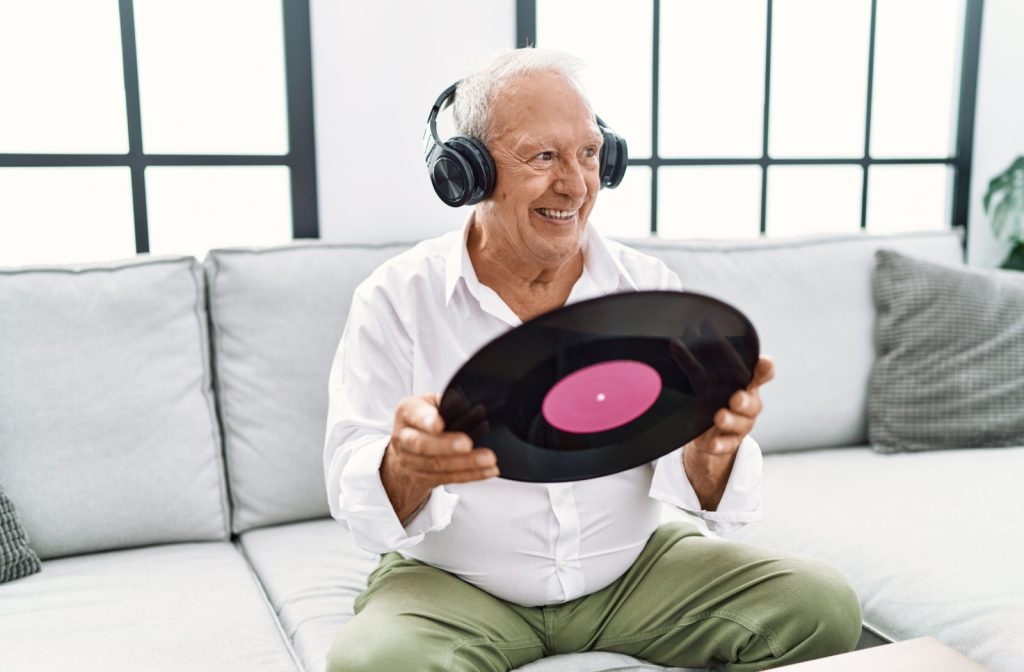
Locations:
{"points": [[161, 434]]}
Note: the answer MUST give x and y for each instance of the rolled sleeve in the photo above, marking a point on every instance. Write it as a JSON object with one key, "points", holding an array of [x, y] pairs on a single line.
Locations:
{"points": [[741, 501], [363, 503]]}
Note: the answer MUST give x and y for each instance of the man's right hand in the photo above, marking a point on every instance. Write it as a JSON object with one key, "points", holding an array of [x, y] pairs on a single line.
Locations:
{"points": [[422, 455]]}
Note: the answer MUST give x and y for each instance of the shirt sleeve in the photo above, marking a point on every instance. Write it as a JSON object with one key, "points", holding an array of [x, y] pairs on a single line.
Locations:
{"points": [[741, 502], [371, 373]]}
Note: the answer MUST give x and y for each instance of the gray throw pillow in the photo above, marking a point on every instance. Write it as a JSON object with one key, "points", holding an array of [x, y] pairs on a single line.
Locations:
{"points": [[16, 558], [949, 371]]}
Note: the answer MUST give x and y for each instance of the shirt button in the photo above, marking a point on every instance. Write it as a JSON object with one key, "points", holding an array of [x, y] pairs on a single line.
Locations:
{"points": [[562, 564]]}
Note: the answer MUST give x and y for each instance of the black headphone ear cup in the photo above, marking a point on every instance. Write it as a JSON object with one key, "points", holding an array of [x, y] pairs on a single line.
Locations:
{"points": [[451, 176], [479, 159], [614, 158]]}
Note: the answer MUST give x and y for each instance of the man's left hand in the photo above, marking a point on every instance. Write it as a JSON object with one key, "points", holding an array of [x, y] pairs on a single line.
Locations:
{"points": [[708, 459], [732, 424]]}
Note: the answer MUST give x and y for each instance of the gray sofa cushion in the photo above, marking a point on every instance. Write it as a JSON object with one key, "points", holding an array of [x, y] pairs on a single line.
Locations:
{"points": [[17, 559], [950, 368], [811, 302], [277, 316], [933, 542], [313, 572], [108, 434], [194, 607]]}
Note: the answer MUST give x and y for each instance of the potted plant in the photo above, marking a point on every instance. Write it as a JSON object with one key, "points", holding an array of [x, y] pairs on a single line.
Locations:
{"points": [[1004, 202]]}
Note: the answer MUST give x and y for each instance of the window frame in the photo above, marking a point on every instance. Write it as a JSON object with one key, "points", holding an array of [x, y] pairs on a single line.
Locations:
{"points": [[960, 161], [300, 159]]}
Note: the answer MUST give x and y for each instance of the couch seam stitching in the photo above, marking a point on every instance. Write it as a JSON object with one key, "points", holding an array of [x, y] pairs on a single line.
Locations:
{"points": [[275, 616]]}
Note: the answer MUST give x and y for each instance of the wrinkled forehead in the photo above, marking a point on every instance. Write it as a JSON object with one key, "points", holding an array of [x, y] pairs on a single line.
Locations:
{"points": [[545, 107]]}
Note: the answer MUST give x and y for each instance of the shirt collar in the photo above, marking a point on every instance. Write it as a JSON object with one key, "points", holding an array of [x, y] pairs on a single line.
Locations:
{"points": [[603, 267]]}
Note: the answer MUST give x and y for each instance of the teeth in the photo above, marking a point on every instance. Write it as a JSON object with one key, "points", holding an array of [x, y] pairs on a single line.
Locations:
{"points": [[557, 214]]}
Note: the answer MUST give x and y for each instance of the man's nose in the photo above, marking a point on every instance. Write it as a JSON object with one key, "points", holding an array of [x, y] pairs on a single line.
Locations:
{"points": [[571, 180]]}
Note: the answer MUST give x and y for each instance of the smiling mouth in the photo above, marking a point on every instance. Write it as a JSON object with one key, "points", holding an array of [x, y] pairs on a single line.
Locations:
{"points": [[557, 214]]}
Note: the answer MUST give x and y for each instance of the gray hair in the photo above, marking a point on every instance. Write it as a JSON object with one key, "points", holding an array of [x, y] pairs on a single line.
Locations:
{"points": [[476, 92]]}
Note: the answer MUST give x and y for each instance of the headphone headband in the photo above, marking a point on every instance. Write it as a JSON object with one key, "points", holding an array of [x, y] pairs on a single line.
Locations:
{"points": [[447, 96]]}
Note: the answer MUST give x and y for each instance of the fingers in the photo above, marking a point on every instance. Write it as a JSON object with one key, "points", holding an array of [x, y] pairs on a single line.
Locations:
{"points": [[734, 423], [439, 465], [431, 456], [714, 442], [763, 372], [479, 460], [745, 405], [741, 414], [417, 442], [420, 412]]}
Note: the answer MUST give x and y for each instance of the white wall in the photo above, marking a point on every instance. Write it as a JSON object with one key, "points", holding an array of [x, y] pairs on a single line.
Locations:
{"points": [[378, 66], [999, 118]]}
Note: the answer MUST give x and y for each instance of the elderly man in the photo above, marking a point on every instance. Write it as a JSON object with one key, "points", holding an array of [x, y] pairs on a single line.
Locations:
{"points": [[482, 573]]}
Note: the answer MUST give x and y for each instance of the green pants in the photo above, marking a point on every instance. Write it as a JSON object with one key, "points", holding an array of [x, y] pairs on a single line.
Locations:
{"points": [[688, 601]]}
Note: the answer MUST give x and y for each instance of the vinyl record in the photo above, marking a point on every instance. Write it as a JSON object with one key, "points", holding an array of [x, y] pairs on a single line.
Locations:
{"points": [[603, 385]]}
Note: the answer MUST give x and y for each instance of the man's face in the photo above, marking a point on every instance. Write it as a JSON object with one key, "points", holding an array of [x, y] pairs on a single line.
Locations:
{"points": [[546, 148]]}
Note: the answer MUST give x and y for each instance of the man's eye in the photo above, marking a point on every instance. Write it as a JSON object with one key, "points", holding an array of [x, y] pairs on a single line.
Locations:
{"points": [[590, 152], [546, 156]]}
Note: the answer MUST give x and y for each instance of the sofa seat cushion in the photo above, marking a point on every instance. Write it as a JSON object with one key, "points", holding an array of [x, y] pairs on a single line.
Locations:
{"points": [[933, 542], [176, 607], [312, 573]]}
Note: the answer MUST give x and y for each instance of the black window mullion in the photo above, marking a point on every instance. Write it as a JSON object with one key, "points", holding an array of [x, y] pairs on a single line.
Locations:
{"points": [[526, 23], [301, 133], [969, 56], [655, 76], [867, 116], [136, 158], [764, 162]]}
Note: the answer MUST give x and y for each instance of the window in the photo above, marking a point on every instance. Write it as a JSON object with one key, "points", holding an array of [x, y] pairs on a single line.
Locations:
{"points": [[133, 126], [777, 117]]}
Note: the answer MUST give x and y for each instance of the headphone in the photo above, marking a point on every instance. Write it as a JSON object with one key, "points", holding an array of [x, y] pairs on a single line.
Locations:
{"points": [[462, 170]]}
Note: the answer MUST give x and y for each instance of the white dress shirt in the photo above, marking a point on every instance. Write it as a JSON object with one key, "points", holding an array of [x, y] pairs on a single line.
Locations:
{"points": [[412, 324]]}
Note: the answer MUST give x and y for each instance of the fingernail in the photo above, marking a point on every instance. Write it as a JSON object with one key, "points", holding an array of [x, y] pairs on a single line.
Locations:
{"points": [[427, 420], [463, 444], [484, 459]]}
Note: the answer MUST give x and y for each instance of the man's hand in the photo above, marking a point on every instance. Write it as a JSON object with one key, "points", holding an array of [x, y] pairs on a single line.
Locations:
{"points": [[708, 459], [422, 455]]}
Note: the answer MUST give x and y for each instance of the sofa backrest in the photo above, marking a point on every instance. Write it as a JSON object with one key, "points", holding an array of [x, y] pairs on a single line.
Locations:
{"points": [[108, 433], [277, 316], [811, 302]]}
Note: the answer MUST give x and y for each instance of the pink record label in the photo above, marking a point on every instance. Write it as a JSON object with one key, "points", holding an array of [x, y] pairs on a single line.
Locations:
{"points": [[601, 396]]}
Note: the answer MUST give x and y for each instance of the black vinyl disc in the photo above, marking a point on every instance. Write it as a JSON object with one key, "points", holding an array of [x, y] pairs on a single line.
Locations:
{"points": [[603, 385]]}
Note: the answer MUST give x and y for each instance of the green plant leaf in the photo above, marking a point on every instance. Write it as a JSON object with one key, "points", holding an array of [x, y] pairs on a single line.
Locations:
{"points": [[1015, 260], [1006, 191], [995, 186], [1007, 222]]}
